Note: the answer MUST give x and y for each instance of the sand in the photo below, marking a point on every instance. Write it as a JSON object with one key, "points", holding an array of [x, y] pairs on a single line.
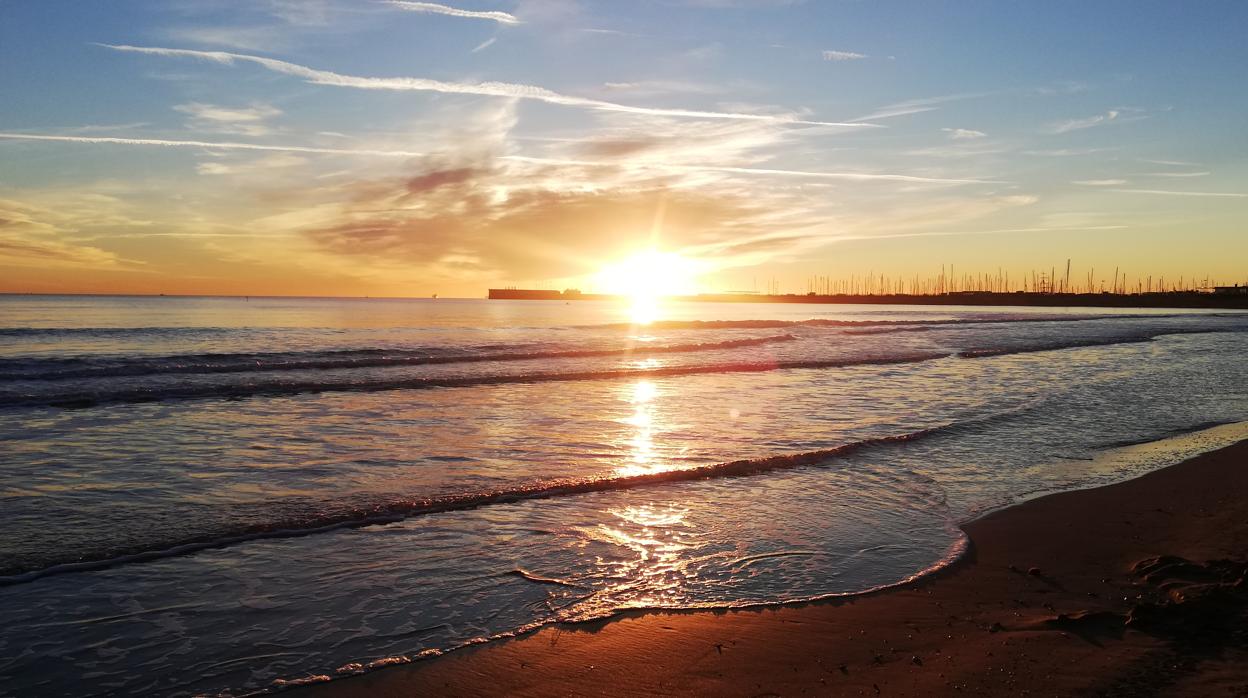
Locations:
{"points": [[1060, 596]]}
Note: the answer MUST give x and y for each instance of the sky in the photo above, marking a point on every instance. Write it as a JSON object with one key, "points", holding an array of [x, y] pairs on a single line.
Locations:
{"points": [[361, 147]]}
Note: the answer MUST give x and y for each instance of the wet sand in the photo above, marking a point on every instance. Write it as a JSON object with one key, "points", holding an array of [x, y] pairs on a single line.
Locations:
{"points": [[1133, 589]]}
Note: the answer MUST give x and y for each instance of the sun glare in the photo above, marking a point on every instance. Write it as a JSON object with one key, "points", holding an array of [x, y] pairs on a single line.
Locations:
{"points": [[647, 277]]}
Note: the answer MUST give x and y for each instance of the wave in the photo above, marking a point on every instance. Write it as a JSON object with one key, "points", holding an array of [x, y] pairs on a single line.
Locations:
{"points": [[826, 322], [1079, 343], [73, 368], [113, 331], [397, 511], [955, 552], [87, 398], [889, 330]]}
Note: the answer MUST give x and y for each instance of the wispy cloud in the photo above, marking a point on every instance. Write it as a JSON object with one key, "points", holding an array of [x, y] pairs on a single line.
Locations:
{"points": [[1100, 182], [963, 134], [248, 121], [917, 106], [1177, 174], [41, 236], [1165, 192], [1077, 124], [849, 176], [1065, 152], [610, 32], [1175, 163], [894, 111], [222, 145], [1120, 115], [489, 89], [266, 165], [485, 44], [670, 168], [831, 55], [650, 88], [436, 9], [252, 38], [998, 231]]}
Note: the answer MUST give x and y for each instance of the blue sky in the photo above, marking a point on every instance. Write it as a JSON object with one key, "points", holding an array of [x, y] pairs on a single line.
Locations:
{"points": [[360, 147]]}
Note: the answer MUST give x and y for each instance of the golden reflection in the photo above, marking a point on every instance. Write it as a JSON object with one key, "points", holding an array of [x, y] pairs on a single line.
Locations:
{"points": [[647, 277], [655, 566], [643, 309], [644, 391], [642, 459]]}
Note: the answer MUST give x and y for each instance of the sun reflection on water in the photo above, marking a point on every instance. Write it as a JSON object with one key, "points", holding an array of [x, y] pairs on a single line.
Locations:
{"points": [[641, 457], [655, 565], [643, 309]]}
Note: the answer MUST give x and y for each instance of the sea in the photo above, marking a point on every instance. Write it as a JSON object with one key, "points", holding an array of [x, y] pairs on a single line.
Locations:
{"points": [[230, 496]]}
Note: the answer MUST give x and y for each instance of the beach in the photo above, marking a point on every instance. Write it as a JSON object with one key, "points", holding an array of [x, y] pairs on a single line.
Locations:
{"points": [[225, 496], [1061, 595], [574, 347]]}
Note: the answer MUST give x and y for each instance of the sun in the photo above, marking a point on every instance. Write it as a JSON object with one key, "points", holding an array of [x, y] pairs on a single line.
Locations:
{"points": [[646, 277]]}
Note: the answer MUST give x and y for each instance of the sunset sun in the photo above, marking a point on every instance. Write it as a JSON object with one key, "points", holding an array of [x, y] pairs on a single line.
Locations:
{"points": [[337, 336], [645, 277]]}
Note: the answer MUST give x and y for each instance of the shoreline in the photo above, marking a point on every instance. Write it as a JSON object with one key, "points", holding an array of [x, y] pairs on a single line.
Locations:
{"points": [[1067, 614], [1177, 300], [1160, 300]]}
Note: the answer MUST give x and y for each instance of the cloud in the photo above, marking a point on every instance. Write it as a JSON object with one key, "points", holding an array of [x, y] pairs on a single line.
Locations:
{"points": [[963, 134], [1079, 124], [484, 44], [441, 178], [534, 230], [489, 89], [477, 213], [22, 252], [960, 150], [997, 231], [264, 165], [305, 13], [1175, 163], [255, 38], [692, 169], [35, 236], [223, 145], [830, 55], [612, 32], [1065, 152], [247, 121], [1163, 192], [1177, 174], [890, 112], [650, 88], [917, 106], [746, 4], [434, 8], [1100, 182], [655, 166]]}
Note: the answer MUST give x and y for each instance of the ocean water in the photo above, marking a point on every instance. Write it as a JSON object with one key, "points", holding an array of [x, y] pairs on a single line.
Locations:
{"points": [[220, 495]]}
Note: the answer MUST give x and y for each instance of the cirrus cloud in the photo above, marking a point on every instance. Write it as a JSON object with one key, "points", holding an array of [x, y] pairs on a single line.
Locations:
{"points": [[487, 89], [436, 9]]}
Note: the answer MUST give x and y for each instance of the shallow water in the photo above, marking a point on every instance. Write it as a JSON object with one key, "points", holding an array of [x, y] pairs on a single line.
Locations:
{"points": [[185, 479]]}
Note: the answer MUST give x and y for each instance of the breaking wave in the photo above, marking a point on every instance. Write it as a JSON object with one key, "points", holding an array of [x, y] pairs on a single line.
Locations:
{"points": [[72, 368]]}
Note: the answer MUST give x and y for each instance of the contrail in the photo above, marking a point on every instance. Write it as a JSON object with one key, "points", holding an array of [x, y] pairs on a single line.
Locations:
{"points": [[489, 89], [853, 176], [228, 145], [1166, 192], [436, 9], [208, 144]]}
